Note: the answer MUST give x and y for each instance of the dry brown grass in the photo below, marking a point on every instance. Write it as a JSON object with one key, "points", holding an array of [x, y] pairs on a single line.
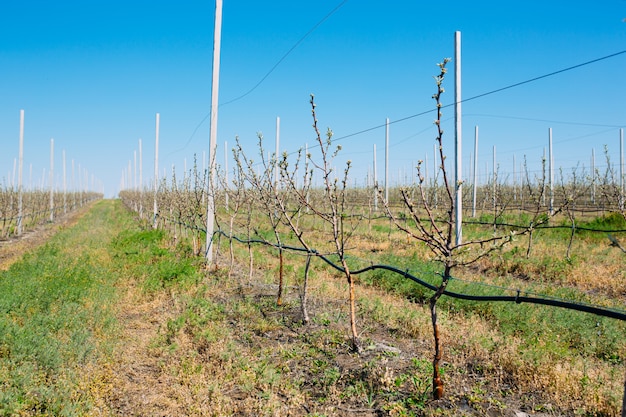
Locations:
{"points": [[223, 347], [255, 359]]}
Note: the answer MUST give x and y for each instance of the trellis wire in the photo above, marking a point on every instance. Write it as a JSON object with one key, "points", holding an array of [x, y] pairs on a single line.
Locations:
{"points": [[519, 297]]}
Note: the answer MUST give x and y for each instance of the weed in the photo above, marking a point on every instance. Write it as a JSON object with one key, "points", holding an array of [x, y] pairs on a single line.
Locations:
{"points": [[54, 318]]}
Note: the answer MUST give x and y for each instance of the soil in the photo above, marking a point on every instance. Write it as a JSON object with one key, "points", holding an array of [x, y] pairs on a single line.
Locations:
{"points": [[143, 385], [140, 387]]}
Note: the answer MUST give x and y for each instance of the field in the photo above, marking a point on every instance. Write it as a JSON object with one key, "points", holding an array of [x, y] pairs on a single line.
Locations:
{"points": [[318, 299], [161, 334], [406, 328]]}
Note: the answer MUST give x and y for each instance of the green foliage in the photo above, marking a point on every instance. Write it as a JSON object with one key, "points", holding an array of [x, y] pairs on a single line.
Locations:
{"points": [[147, 257], [51, 305], [547, 332], [547, 268], [381, 228], [399, 284], [610, 221], [551, 331]]}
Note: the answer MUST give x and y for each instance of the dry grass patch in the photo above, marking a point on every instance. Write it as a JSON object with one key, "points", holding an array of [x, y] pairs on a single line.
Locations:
{"points": [[226, 348]]}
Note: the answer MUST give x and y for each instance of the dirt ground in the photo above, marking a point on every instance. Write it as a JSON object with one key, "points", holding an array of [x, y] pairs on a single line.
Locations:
{"points": [[139, 385]]}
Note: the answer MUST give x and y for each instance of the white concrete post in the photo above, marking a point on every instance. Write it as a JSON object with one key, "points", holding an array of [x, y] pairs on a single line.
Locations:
{"points": [[19, 180], [375, 182], [551, 163], [621, 169], [458, 181], [217, 38], [226, 184], [387, 160], [64, 186], [475, 181], [156, 172], [51, 180]]}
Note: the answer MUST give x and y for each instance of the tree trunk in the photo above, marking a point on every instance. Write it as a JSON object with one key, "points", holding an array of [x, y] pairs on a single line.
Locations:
{"points": [[571, 240], [251, 264], [230, 246], [530, 243], [356, 347], [437, 382], [303, 293], [279, 298]]}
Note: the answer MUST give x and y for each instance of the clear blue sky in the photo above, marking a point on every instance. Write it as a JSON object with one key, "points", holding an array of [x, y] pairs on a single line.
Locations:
{"points": [[93, 74]]}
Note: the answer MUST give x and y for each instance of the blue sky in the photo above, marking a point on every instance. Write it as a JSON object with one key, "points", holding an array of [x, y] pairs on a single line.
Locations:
{"points": [[93, 74]]}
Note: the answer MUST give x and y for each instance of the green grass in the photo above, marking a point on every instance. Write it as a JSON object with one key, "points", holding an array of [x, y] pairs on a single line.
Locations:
{"points": [[142, 254], [545, 330], [611, 221], [53, 313]]}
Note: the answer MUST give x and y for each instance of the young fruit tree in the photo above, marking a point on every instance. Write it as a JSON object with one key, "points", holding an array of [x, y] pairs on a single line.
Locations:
{"points": [[332, 209], [292, 207], [266, 193], [434, 225]]}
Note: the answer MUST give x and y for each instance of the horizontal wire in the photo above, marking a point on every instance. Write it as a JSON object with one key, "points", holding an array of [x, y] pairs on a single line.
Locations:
{"points": [[520, 297], [306, 35], [434, 109]]}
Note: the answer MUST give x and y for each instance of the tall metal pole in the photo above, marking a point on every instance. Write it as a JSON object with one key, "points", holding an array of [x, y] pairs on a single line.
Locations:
{"points": [[475, 181], [80, 186], [435, 168], [226, 184], [387, 160], [140, 184], [217, 38], [514, 179], [593, 175], [140, 181], [73, 187], [64, 186], [621, 169], [51, 180], [375, 182], [156, 173], [551, 163], [19, 180], [494, 179], [458, 182], [543, 176], [276, 155]]}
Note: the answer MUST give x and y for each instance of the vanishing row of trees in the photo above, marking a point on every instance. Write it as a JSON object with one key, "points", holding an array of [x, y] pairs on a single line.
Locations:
{"points": [[37, 206], [272, 200]]}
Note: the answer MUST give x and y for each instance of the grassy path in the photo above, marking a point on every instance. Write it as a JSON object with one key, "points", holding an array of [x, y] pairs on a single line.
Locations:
{"points": [[78, 316], [57, 317]]}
